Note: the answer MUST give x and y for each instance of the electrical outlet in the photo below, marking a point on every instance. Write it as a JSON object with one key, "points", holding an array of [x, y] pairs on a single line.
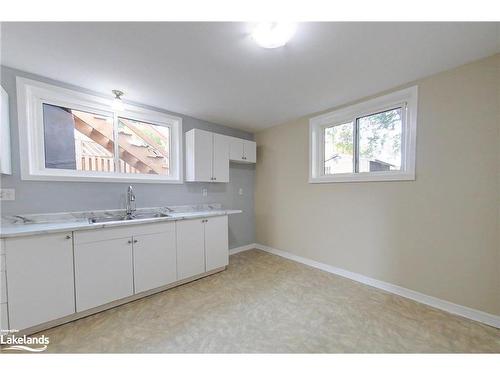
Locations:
{"points": [[204, 191], [7, 194], [240, 192]]}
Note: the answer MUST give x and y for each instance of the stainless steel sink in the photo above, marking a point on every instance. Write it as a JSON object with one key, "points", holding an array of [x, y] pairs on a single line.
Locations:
{"points": [[149, 215], [138, 216]]}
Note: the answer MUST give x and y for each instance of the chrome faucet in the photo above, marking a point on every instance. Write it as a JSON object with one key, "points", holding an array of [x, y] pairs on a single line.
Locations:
{"points": [[130, 198]]}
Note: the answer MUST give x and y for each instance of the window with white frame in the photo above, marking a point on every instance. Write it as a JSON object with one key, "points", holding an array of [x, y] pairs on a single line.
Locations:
{"points": [[66, 135], [369, 141]]}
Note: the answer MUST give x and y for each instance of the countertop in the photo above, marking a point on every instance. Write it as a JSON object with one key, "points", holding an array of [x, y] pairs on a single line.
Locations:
{"points": [[75, 224]]}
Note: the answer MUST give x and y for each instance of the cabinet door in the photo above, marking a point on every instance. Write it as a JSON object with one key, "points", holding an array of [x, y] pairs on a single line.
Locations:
{"points": [[250, 151], [221, 158], [199, 149], [155, 259], [190, 248], [235, 149], [40, 282], [3, 317], [216, 242], [5, 162], [103, 271]]}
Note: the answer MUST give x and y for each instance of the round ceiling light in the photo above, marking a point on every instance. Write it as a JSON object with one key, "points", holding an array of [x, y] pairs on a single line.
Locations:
{"points": [[273, 34]]}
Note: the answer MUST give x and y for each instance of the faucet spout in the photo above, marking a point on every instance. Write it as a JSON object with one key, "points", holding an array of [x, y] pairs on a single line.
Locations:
{"points": [[130, 208]]}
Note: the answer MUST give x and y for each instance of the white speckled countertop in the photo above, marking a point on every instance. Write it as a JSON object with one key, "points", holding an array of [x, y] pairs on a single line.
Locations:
{"points": [[23, 225]]}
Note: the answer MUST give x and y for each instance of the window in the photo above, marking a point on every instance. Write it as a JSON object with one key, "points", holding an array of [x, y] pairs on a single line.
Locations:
{"points": [[71, 136], [369, 141]]}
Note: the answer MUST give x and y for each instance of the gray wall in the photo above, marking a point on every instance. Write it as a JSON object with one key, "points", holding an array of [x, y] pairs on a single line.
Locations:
{"points": [[53, 196]]}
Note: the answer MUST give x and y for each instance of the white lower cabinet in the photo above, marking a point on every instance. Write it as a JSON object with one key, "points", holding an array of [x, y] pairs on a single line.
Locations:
{"points": [[190, 248], [114, 263], [155, 259], [103, 271], [40, 284], [55, 275], [202, 245], [4, 324], [216, 243]]}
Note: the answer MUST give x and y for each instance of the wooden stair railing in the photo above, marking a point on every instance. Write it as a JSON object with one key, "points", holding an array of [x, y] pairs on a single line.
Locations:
{"points": [[100, 132]]}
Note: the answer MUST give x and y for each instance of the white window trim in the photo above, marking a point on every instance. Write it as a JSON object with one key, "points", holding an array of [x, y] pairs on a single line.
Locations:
{"points": [[406, 97], [30, 97]]}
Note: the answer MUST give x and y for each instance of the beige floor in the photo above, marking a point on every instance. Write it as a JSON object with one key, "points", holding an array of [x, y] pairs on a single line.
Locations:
{"points": [[264, 303]]}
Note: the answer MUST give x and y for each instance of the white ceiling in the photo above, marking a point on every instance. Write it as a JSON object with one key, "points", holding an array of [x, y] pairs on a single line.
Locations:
{"points": [[215, 72]]}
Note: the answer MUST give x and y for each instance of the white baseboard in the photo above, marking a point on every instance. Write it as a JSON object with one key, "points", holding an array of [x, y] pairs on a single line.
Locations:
{"points": [[453, 308], [236, 250]]}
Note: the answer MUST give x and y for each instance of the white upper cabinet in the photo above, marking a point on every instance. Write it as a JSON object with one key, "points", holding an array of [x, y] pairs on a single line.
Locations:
{"points": [[236, 149], [199, 148], [242, 150], [207, 156], [5, 164], [220, 164], [250, 151]]}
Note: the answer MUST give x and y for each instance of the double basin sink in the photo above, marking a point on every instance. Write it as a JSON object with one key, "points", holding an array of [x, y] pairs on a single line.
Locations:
{"points": [[137, 216]]}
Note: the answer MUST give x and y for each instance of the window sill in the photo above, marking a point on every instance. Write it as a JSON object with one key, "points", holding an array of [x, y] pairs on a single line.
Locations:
{"points": [[363, 177], [106, 178]]}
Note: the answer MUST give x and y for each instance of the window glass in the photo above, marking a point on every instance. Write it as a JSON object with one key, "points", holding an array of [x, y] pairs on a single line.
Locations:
{"points": [[77, 140], [338, 150], [144, 147], [380, 141]]}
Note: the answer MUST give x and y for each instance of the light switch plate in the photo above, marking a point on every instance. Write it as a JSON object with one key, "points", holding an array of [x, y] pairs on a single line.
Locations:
{"points": [[204, 191], [7, 194], [240, 192]]}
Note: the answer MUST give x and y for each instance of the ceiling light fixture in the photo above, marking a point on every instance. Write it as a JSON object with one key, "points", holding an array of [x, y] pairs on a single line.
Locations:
{"points": [[117, 101], [273, 34]]}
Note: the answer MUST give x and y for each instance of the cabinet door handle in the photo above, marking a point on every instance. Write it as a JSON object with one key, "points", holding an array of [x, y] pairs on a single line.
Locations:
{"points": [[68, 237], [135, 241], [129, 241]]}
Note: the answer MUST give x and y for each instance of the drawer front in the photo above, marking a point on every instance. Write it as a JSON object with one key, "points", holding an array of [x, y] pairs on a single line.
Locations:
{"points": [[105, 234]]}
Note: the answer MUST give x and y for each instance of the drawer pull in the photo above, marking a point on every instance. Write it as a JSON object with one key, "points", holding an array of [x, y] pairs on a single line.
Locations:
{"points": [[135, 241], [129, 241], [68, 237]]}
